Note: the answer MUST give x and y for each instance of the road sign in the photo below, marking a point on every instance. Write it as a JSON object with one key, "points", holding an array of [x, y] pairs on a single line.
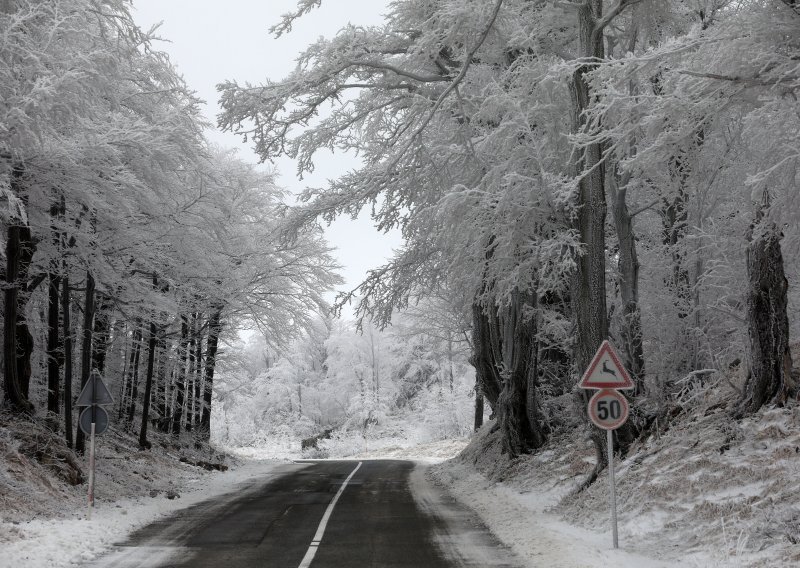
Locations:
{"points": [[100, 420], [94, 392], [608, 409], [606, 371]]}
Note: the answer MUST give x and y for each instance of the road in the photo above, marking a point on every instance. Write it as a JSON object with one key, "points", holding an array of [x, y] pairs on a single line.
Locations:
{"points": [[328, 514]]}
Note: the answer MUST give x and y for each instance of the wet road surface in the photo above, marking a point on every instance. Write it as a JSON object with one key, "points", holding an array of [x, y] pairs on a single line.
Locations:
{"points": [[328, 514]]}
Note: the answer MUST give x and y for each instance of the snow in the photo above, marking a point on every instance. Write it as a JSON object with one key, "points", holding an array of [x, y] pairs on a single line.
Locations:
{"points": [[69, 542], [43, 520], [706, 492]]}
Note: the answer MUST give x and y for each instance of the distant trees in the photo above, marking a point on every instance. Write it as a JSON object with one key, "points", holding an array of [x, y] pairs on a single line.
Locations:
{"points": [[152, 245]]}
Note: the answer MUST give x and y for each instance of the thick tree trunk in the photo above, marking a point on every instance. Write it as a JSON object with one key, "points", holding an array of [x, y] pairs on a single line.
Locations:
{"points": [[17, 341], [513, 337], [180, 377], [144, 444], [86, 348], [214, 329], [486, 373], [589, 287], [770, 380], [589, 284], [67, 332]]}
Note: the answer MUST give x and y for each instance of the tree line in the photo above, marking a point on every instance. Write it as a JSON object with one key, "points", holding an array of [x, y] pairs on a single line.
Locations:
{"points": [[498, 136], [132, 245]]}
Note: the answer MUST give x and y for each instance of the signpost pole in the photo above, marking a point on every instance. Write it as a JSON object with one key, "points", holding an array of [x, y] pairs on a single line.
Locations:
{"points": [[91, 471], [612, 483]]}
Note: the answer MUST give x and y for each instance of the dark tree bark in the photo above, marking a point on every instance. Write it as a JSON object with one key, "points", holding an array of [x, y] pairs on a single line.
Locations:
{"points": [[133, 371], [589, 284], [100, 335], [589, 287], [214, 329], [770, 380], [513, 340], [144, 444], [486, 373], [86, 348], [198, 376], [180, 377], [163, 385], [66, 320], [55, 345], [628, 278], [478, 406], [17, 341]]}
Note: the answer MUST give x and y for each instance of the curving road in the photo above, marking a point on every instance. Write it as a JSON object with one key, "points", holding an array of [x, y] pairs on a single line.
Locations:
{"points": [[328, 514]]}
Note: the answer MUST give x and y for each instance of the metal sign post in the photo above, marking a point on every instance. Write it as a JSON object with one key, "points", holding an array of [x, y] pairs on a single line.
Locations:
{"points": [[608, 409], [93, 421], [613, 486]]}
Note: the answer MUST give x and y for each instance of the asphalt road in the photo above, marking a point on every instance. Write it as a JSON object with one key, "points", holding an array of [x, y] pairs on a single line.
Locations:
{"points": [[331, 514]]}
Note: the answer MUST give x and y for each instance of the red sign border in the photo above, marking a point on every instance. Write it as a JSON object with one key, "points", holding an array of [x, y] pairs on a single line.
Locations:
{"points": [[606, 347], [625, 409]]}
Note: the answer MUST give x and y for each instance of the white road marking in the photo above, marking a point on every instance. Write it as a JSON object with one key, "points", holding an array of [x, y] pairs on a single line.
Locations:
{"points": [[312, 549]]}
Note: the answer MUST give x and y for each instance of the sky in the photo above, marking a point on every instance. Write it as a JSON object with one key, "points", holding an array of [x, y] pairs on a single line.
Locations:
{"points": [[211, 41]]}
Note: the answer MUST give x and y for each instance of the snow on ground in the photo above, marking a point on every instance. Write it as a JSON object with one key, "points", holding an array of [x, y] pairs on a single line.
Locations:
{"points": [[43, 521], [707, 492]]}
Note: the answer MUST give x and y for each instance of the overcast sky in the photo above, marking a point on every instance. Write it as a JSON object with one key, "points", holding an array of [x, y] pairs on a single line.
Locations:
{"points": [[211, 41]]}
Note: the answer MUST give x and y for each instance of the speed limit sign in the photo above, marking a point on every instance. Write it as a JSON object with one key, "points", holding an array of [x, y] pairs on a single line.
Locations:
{"points": [[608, 409]]}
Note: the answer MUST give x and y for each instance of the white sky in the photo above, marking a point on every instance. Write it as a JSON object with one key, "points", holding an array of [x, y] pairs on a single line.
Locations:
{"points": [[211, 41]]}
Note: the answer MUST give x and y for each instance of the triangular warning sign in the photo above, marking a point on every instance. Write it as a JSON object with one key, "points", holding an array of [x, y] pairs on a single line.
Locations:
{"points": [[606, 371], [94, 392]]}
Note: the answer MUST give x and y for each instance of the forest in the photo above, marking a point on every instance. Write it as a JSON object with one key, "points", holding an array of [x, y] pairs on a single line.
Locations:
{"points": [[562, 172]]}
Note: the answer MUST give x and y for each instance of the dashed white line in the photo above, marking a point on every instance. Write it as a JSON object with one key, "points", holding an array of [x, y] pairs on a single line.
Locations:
{"points": [[312, 549]]}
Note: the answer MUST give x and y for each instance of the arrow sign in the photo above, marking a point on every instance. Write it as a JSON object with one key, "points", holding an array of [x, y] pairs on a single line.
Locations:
{"points": [[606, 371], [94, 392]]}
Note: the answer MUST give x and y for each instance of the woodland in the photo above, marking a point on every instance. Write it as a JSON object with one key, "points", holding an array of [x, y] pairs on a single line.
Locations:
{"points": [[562, 172]]}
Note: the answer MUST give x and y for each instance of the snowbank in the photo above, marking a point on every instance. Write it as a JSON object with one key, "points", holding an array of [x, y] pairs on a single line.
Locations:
{"points": [[707, 492], [43, 520]]}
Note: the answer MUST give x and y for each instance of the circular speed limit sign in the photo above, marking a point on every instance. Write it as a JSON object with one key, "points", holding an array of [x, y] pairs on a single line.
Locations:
{"points": [[608, 409]]}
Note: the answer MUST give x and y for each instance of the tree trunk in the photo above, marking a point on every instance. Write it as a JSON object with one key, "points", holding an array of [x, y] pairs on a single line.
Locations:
{"points": [[589, 286], [101, 335], [55, 346], [180, 380], [163, 384], [770, 380], [628, 277], [86, 348], [144, 444], [486, 373], [478, 407], [15, 340], [514, 340], [65, 314], [214, 329], [133, 373]]}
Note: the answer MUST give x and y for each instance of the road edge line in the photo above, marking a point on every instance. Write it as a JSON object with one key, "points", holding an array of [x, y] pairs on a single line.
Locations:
{"points": [[312, 549]]}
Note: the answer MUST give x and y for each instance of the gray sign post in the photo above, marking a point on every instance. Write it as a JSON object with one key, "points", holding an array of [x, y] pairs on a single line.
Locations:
{"points": [[608, 409], [93, 420]]}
